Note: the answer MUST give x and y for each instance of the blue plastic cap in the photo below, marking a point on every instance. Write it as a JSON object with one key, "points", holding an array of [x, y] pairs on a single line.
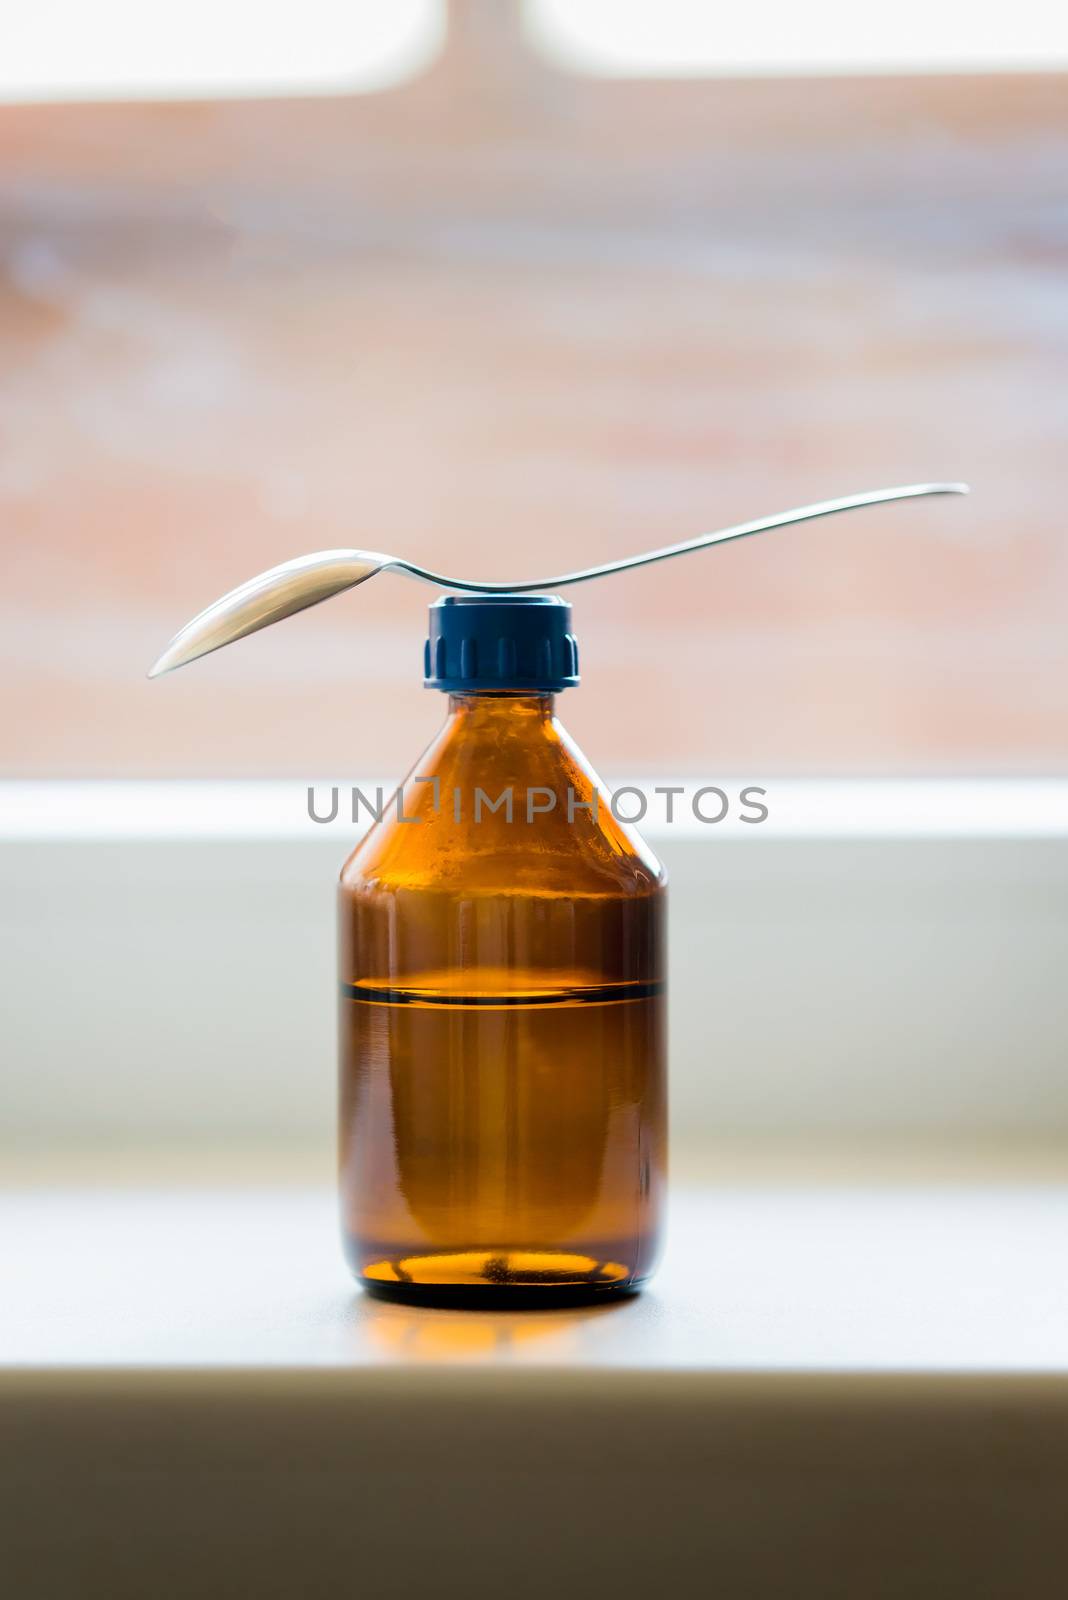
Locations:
{"points": [[486, 643]]}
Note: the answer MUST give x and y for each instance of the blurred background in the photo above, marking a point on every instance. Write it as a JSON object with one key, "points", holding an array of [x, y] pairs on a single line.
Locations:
{"points": [[506, 288], [510, 287]]}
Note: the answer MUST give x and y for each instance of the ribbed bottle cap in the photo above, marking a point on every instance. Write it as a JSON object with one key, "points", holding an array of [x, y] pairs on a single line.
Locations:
{"points": [[492, 642]]}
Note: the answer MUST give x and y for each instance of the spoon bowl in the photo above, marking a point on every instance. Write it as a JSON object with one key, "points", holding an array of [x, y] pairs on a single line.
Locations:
{"points": [[279, 592]]}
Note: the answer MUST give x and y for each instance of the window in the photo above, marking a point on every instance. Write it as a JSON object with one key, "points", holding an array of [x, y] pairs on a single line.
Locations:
{"points": [[120, 49], [689, 38], [504, 319]]}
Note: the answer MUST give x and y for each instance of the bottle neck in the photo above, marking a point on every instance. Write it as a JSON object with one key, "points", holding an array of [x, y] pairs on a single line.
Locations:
{"points": [[492, 708]]}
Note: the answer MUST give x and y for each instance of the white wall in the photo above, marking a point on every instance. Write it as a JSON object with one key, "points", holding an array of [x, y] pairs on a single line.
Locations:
{"points": [[182, 989]]}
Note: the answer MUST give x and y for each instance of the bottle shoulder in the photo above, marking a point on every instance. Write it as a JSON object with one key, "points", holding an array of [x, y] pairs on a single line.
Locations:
{"points": [[503, 806]]}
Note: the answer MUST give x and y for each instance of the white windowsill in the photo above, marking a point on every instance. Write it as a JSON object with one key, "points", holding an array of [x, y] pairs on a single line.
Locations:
{"points": [[821, 1380]]}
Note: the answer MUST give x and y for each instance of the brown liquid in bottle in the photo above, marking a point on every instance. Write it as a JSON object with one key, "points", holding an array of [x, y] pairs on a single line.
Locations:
{"points": [[502, 1050]]}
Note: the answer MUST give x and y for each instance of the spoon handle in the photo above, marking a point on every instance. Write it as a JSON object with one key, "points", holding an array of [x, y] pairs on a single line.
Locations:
{"points": [[310, 579], [741, 530]]}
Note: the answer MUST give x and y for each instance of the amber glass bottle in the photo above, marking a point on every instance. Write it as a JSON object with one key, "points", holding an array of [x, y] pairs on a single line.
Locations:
{"points": [[502, 1038]]}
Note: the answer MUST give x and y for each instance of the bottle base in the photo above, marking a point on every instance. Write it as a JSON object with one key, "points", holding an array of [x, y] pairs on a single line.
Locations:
{"points": [[497, 1279], [465, 1298]]}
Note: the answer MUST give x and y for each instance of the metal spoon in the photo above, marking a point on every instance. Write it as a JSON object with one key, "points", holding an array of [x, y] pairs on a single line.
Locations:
{"points": [[295, 585]]}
